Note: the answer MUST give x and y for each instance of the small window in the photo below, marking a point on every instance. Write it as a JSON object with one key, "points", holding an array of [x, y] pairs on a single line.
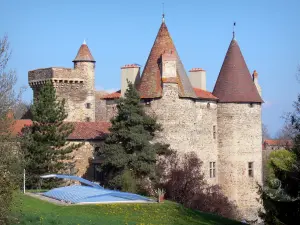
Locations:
{"points": [[88, 105], [208, 105], [214, 132], [250, 169], [87, 119], [212, 169], [147, 102]]}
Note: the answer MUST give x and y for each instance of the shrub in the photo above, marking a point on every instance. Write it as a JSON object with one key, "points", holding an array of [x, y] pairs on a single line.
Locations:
{"points": [[185, 184], [129, 182]]}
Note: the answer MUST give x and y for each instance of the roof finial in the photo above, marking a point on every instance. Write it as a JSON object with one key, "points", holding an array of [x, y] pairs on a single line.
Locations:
{"points": [[233, 31], [84, 42], [163, 14]]}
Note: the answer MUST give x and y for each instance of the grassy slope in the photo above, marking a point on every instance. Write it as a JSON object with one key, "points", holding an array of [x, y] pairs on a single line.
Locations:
{"points": [[36, 211]]}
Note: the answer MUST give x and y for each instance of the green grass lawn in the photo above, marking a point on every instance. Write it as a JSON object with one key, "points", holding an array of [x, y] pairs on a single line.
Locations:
{"points": [[34, 211]]}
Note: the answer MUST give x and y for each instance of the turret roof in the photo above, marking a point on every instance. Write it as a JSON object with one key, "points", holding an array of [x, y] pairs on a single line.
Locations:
{"points": [[150, 85], [234, 83], [84, 54]]}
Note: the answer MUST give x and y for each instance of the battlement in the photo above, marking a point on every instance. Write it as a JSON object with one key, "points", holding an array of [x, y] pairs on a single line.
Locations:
{"points": [[56, 82], [57, 75]]}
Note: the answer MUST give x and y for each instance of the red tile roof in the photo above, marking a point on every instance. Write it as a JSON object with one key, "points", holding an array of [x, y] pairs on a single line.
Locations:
{"points": [[82, 130], [278, 142], [150, 85], [202, 94], [113, 95], [18, 125], [89, 130], [234, 83], [84, 54]]}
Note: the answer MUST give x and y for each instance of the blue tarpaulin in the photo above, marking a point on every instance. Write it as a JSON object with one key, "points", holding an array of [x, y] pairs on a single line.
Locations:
{"points": [[93, 193]]}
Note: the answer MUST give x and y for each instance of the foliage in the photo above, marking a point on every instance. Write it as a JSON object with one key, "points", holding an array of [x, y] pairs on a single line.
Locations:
{"points": [[279, 160], [129, 181], [46, 149], [168, 213], [281, 198], [186, 185], [10, 157], [129, 146]]}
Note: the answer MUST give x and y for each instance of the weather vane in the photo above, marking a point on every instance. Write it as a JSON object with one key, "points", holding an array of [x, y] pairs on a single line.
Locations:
{"points": [[233, 29], [163, 10]]}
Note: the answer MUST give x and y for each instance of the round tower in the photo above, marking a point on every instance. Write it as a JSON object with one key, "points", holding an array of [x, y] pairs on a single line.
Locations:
{"points": [[84, 66], [239, 133]]}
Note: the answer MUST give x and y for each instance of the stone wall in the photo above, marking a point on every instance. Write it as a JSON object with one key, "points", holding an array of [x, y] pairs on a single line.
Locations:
{"points": [[239, 142], [84, 157], [187, 125], [76, 86]]}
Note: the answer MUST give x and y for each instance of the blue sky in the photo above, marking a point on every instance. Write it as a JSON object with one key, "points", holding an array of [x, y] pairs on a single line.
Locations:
{"points": [[49, 33]]}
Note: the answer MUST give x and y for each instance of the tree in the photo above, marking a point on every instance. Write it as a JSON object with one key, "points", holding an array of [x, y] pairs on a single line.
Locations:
{"points": [[130, 145], [265, 132], [185, 184], [11, 159], [45, 143], [281, 198]]}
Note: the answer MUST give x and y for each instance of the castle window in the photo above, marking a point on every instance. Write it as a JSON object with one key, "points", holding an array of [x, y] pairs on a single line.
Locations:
{"points": [[208, 105], [214, 132], [250, 169], [88, 105], [87, 119], [212, 169], [147, 102]]}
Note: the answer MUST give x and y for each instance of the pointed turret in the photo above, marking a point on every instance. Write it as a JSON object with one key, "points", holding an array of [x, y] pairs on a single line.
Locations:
{"points": [[150, 85], [84, 54], [234, 83]]}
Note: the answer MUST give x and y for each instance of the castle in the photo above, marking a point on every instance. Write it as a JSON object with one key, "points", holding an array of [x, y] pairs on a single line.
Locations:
{"points": [[223, 127]]}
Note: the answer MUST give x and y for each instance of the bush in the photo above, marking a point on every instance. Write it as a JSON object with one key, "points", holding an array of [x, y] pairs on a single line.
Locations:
{"points": [[129, 182], [185, 184]]}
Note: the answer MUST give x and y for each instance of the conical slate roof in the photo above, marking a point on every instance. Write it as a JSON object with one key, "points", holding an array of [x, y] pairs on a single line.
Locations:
{"points": [[150, 85], [234, 83], [84, 54]]}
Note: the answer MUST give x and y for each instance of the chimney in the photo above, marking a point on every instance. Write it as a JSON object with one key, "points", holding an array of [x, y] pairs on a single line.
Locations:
{"points": [[255, 81], [130, 72], [168, 65], [198, 78]]}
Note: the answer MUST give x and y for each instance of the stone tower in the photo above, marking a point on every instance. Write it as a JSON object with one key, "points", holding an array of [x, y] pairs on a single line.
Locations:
{"points": [[84, 65], [239, 132], [76, 85]]}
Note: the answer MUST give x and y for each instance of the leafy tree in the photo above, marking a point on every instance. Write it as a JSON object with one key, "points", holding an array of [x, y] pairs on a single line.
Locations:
{"points": [[279, 159], [45, 142], [130, 145], [281, 199], [10, 157]]}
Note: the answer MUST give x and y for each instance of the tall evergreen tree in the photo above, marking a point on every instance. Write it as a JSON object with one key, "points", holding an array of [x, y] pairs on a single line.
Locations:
{"points": [[130, 146], [45, 142], [281, 199]]}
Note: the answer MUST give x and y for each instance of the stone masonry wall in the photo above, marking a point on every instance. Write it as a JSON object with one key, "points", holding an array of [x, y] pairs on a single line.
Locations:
{"points": [[240, 138], [76, 86], [187, 125], [83, 158]]}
